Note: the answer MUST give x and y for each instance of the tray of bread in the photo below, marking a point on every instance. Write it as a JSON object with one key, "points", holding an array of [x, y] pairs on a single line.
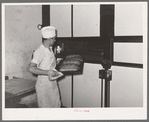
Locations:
{"points": [[71, 64]]}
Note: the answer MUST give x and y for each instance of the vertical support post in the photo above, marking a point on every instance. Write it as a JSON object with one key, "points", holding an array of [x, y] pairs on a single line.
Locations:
{"points": [[101, 92], [105, 86], [101, 76], [107, 92], [107, 32], [72, 74], [72, 90]]}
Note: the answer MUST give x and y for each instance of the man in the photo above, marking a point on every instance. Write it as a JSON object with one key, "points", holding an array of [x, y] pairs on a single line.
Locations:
{"points": [[42, 64]]}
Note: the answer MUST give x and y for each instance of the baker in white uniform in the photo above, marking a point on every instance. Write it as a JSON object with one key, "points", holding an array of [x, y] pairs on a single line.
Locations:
{"points": [[44, 61]]}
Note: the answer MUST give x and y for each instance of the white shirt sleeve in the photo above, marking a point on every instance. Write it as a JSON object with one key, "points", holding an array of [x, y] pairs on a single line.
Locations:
{"points": [[37, 57]]}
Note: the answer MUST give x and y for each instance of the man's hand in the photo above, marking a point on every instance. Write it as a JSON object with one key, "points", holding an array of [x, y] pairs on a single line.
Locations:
{"points": [[54, 74]]}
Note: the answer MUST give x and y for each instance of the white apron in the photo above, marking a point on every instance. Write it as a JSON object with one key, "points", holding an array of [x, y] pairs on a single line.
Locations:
{"points": [[47, 91]]}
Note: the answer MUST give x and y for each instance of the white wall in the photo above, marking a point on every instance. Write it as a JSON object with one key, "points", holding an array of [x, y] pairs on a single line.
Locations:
{"points": [[128, 52], [60, 17], [86, 20], [127, 83], [126, 87], [128, 19], [87, 87], [21, 38]]}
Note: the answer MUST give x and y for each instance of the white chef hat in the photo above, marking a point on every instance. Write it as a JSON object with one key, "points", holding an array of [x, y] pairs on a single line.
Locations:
{"points": [[48, 32]]}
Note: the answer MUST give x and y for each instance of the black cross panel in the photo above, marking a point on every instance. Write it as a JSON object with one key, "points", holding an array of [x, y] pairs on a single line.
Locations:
{"points": [[106, 21], [45, 15], [107, 29]]}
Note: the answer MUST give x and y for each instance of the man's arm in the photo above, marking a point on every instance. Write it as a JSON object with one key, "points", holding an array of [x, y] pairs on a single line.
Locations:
{"points": [[33, 69]]}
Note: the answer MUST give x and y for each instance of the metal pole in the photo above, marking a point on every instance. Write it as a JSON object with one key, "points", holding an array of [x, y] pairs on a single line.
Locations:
{"points": [[107, 91], [72, 90], [101, 92]]}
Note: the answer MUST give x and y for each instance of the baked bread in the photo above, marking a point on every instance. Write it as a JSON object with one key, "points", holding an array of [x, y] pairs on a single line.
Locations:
{"points": [[73, 56], [69, 67], [71, 61]]}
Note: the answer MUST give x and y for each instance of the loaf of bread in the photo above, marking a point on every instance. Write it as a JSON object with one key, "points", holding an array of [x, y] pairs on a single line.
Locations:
{"points": [[71, 61], [73, 56], [69, 67]]}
